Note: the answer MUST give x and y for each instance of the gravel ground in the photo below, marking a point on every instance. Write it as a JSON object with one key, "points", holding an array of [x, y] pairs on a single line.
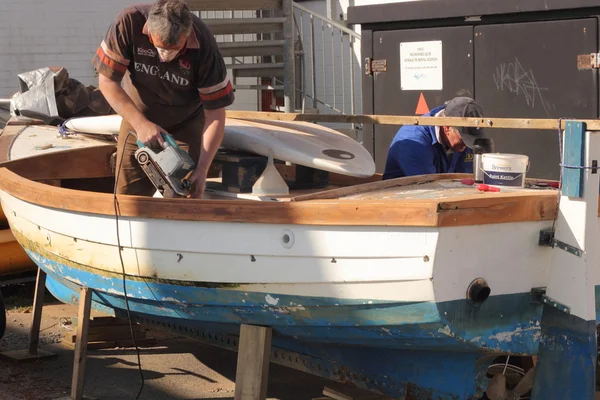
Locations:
{"points": [[174, 368]]}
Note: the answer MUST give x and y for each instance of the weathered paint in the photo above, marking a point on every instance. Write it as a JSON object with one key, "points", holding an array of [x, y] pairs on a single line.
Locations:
{"points": [[427, 325], [567, 358], [422, 374]]}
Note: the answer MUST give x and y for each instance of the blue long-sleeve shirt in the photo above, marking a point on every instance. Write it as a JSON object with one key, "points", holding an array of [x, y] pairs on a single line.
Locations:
{"points": [[415, 150]]}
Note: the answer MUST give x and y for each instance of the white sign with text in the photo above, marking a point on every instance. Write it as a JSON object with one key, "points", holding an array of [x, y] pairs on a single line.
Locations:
{"points": [[421, 65]]}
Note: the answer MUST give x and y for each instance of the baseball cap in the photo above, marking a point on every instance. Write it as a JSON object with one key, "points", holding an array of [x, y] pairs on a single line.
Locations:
{"points": [[466, 107]]}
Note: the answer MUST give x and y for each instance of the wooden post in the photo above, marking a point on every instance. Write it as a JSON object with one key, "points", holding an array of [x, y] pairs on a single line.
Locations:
{"points": [[85, 305], [32, 352], [254, 354], [38, 303]]}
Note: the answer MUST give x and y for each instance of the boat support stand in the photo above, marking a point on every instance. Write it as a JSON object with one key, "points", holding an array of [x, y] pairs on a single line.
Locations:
{"points": [[33, 353], [254, 355]]}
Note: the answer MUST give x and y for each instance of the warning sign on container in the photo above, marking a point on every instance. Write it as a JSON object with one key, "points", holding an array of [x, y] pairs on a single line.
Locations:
{"points": [[421, 65]]}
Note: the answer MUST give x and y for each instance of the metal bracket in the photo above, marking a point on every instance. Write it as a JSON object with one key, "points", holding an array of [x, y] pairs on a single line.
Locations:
{"points": [[547, 239], [553, 303], [568, 248], [372, 66], [538, 295], [588, 61]]}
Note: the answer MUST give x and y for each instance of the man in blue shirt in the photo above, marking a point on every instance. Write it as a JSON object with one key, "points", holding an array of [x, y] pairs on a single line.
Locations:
{"points": [[420, 150]]}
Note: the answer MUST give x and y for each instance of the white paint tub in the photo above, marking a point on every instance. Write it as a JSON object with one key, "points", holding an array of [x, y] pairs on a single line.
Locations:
{"points": [[504, 169]]}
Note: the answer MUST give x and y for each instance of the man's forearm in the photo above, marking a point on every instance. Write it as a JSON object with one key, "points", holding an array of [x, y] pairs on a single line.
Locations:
{"points": [[120, 101], [212, 138]]}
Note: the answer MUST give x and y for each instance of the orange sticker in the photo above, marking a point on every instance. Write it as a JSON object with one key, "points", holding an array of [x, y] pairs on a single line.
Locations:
{"points": [[422, 107]]}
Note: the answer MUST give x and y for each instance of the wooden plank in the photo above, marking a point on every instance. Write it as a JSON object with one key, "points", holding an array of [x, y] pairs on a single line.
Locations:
{"points": [[496, 209], [233, 5], [406, 212], [38, 304], [323, 212], [488, 123], [378, 185], [20, 121], [252, 371], [7, 138], [85, 305], [88, 162]]}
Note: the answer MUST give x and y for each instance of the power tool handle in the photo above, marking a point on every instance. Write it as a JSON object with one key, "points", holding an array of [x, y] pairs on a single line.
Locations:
{"points": [[168, 141]]}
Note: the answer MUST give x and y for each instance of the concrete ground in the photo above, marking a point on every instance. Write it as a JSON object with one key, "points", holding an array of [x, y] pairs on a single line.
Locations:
{"points": [[174, 368]]}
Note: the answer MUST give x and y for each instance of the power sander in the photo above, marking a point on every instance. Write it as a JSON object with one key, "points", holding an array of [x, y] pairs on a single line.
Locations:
{"points": [[168, 168]]}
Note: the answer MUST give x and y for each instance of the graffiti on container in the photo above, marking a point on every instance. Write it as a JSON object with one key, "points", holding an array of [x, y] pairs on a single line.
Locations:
{"points": [[514, 78]]}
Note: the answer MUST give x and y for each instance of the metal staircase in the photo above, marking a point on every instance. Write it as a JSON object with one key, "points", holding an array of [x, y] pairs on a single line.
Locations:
{"points": [[285, 50]]}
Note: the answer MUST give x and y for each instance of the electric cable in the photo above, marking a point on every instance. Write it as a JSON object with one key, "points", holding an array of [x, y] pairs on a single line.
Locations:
{"points": [[116, 204]]}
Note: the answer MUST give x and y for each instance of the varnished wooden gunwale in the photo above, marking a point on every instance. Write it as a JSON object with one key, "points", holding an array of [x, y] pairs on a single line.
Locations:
{"points": [[484, 208], [488, 122]]}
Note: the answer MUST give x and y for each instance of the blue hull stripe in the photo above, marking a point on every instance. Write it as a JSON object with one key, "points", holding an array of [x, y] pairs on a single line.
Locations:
{"points": [[496, 326]]}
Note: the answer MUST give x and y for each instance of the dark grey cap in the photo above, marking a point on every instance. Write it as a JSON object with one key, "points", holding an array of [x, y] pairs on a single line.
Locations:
{"points": [[466, 107]]}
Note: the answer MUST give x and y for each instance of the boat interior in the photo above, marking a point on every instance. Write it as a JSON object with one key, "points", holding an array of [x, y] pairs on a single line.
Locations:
{"points": [[314, 197]]}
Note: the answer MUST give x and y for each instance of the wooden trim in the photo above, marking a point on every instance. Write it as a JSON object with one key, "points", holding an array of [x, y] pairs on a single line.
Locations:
{"points": [[488, 123], [88, 162], [482, 208], [378, 185], [500, 209], [304, 213], [7, 138]]}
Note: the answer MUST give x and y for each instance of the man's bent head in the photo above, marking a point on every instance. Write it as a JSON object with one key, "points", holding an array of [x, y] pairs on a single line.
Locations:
{"points": [[169, 25]]}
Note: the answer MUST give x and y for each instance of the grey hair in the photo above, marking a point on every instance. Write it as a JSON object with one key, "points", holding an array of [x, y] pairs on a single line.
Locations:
{"points": [[169, 19]]}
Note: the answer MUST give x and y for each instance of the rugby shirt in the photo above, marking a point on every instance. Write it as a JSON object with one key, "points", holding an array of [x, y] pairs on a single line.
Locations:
{"points": [[166, 92]]}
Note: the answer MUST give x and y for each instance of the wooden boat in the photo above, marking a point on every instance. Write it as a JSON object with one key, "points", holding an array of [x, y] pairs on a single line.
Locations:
{"points": [[410, 287], [24, 141]]}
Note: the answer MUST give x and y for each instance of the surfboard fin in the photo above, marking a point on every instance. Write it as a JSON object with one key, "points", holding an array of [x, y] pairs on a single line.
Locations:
{"points": [[270, 182]]}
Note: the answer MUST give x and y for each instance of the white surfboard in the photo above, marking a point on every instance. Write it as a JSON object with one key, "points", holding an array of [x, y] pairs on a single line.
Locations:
{"points": [[102, 125], [299, 143]]}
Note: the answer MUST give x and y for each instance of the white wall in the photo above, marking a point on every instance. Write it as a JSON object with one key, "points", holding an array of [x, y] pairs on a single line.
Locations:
{"points": [[41, 33]]}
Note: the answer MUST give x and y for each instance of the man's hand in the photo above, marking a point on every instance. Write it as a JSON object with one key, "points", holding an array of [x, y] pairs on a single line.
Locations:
{"points": [[150, 134], [198, 181], [147, 132]]}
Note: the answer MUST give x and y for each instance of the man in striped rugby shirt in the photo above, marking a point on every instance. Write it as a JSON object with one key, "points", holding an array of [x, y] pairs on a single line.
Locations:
{"points": [[173, 79]]}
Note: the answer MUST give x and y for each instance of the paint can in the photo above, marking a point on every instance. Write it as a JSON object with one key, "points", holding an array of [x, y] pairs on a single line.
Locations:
{"points": [[504, 169]]}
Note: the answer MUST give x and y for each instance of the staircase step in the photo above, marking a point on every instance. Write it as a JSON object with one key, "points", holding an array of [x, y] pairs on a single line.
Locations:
{"points": [[233, 5], [256, 70], [229, 26], [258, 87], [254, 48]]}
